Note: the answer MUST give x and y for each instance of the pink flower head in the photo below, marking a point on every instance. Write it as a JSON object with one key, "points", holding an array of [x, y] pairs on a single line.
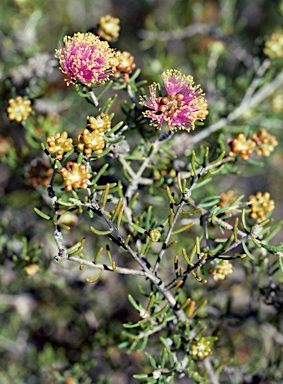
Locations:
{"points": [[182, 105], [85, 58]]}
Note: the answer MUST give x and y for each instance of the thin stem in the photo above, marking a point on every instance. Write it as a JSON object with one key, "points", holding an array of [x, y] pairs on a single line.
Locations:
{"points": [[129, 169], [132, 188], [120, 270], [156, 329], [167, 238], [136, 179], [211, 372], [187, 193], [62, 250], [94, 99], [252, 87]]}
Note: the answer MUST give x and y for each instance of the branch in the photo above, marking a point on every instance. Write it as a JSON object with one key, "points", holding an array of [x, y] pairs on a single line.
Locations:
{"points": [[104, 267], [136, 177], [186, 194], [167, 238], [62, 250], [158, 283], [211, 372]]}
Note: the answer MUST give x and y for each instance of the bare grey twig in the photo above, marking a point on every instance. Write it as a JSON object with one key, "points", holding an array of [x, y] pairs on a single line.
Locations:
{"points": [[62, 250]]}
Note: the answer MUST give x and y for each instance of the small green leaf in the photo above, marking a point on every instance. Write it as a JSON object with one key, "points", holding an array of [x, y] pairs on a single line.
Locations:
{"points": [[107, 104], [93, 279], [272, 248], [160, 312], [136, 305], [179, 180], [100, 173], [124, 344], [143, 344], [151, 360], [130, 157], [141, 376], [76, 247], [222, 154], [164, 357], [41, 214], [114, 129], [131, 325], [247, 252], [129, 335], [137, 228], [170, 154], [183, 228], [101, 233]]}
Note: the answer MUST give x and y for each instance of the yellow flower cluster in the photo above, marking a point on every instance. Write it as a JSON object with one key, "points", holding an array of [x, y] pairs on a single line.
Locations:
{"points": [[109, 27], [19, 109], [274, 45], [221, 269], [59, 143], [261, 204], [265, 142], [261, 142], [125, 65], [75, 176], [243, 146], [92, 137], [226, 199], [201, 349]]}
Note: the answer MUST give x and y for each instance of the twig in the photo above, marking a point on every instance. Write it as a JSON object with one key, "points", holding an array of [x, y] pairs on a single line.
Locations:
{"points": [[136, 179], [132, 188], [167, 238], [62, 250], [186, 195], [210, 371], [120, 270], [94, 99], [271, 123], [252, 87], [129, 169], [156, 329]]}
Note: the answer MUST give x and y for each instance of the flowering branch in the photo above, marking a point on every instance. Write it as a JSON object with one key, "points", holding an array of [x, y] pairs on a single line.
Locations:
{"points": [[94, 178]]}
